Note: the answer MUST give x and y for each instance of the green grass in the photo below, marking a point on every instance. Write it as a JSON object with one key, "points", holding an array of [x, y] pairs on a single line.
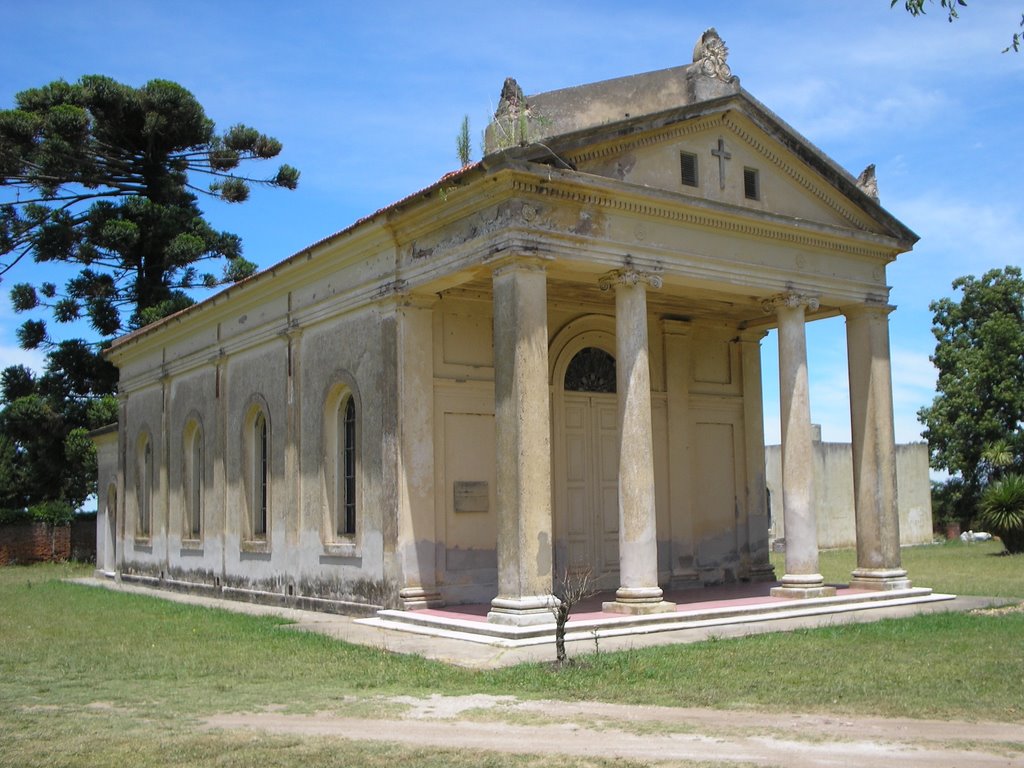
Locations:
{"points": [[952, 567], [88, 675]]}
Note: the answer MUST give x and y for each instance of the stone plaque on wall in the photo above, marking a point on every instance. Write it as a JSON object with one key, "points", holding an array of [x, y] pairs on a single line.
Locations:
{"points": [[471, 496]]}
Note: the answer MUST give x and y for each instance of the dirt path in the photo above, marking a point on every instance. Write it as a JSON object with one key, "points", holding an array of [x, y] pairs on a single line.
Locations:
{"points": [[659, 734]]}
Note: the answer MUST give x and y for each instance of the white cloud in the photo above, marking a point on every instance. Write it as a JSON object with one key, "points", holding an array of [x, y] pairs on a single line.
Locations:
{"points": [[14, 355], [973, 236], [814, 109]]}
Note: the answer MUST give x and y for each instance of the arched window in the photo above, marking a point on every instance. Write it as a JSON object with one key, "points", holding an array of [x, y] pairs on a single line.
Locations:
{"points": [[144, 488], [193, 474], [345, 468], [260, 476], [591, 370]]}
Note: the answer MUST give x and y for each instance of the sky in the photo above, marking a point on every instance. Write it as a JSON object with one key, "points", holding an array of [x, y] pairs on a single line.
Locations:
{"points": [[368, 99]]}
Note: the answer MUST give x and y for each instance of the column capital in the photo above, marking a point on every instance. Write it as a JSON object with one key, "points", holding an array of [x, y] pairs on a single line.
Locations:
{"points": [[877, 309], [790, 300], [517, 263], [752, 336], [630, 277]]}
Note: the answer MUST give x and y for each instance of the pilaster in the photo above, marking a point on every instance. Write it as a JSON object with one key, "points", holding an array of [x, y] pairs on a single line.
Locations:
{"points": [[755, 546], [417, 535], [678, 337], [293, 433]]}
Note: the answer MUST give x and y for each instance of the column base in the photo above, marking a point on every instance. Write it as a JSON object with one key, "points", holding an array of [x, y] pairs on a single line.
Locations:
{"points": [[638, 609], [416, 598], [522, 611], [802, 586], [762, 572], [638, 601], [882, 579]]}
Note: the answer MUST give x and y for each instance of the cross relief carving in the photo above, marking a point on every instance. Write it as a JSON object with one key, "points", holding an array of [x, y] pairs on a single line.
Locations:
{"points": [[722, 154]]}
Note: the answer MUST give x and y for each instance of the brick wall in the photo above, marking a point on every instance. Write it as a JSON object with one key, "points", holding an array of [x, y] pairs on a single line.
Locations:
{"points": [[33, 542], [83, 538]]}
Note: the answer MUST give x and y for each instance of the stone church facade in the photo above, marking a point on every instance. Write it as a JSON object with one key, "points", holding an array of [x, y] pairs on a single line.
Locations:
{"points": [[549, 361]]}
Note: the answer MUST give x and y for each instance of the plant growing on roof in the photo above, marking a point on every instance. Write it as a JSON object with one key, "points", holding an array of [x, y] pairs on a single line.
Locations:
{"points": [[462, 143]]}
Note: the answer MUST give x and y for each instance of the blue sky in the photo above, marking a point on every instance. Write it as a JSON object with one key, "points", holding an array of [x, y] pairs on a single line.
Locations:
{"points": [[368, 98]]}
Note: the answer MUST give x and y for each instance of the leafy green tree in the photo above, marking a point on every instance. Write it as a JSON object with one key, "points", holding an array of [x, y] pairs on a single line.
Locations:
{"points": [[106, 176], [45, 455], [975, 424]]}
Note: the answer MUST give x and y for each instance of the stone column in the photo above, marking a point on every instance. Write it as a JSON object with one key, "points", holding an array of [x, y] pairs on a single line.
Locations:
{"points": [[874, 450], [678, 337], [522, 420], [756, 543], [417, 537], [638, 541], [802, 578]]}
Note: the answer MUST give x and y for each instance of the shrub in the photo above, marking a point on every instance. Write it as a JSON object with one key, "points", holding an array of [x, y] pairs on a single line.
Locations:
{"points": [[1002, 511], [55, 512]]}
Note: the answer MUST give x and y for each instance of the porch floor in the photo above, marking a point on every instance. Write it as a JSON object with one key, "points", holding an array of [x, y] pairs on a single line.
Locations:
{"points": [[696, 609]]}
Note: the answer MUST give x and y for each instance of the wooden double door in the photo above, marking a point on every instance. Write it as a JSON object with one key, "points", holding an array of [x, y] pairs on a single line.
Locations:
{"points": [[590, 472]]}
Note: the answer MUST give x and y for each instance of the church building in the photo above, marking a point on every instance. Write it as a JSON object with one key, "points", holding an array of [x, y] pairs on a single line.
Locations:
{"points": [[546, 363]]}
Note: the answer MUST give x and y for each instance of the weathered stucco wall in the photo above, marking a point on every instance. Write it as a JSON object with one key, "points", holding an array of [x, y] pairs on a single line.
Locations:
{"points": [[833, 471]]}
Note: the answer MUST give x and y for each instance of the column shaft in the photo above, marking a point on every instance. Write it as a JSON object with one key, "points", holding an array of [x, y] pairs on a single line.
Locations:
{"points": [[802, 577], [638, 540], [874, 451], [523, 437]]}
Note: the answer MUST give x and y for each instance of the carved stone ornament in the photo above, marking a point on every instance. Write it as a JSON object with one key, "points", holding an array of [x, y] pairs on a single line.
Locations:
{"points": [[511, 99], [711, 53], [868, 182], [790, 300], [628, 277]]}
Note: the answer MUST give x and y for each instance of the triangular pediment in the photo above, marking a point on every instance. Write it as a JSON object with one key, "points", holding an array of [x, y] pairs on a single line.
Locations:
{"points": [[731, 151]]}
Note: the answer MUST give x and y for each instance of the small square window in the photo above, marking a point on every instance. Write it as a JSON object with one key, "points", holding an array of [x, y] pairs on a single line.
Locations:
{"points": [[688, 164], [751, 184]]}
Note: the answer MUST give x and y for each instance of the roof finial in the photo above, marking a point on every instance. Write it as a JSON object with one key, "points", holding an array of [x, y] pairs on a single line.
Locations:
{"points": [[710, 52], [511, 99], [867, 183]]}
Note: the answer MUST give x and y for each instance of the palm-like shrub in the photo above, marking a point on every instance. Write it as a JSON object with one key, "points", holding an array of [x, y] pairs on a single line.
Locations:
{"points": [[1002, 511]]}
